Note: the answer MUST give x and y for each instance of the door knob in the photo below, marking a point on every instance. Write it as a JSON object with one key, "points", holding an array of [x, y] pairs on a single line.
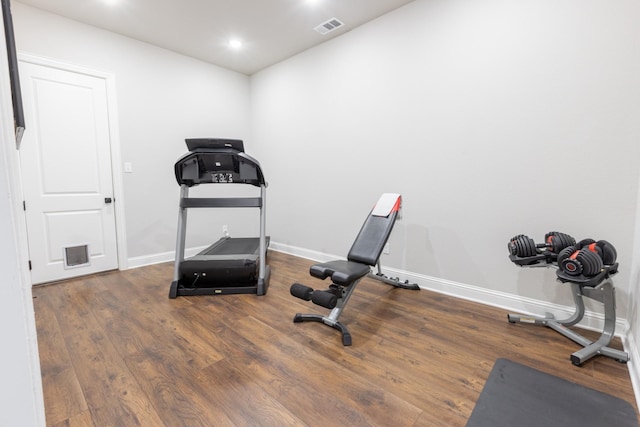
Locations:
{"points": [[108, 200]]}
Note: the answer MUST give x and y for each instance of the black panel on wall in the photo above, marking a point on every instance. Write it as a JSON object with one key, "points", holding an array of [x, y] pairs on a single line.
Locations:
{"points": [[16, 94]]}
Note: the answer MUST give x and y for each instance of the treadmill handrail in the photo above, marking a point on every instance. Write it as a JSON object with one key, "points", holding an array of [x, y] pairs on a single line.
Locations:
{"points": [[221, 202]]}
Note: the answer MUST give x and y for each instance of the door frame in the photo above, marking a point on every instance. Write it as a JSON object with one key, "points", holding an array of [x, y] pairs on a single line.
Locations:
{"points": [[114, 139]]}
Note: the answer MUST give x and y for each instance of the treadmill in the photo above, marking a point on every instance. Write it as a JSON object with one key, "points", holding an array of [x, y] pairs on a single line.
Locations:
{"points": [[230, 265]]}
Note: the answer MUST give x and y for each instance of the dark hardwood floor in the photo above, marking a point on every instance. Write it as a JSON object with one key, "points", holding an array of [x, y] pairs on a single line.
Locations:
{"points": [[116, 351]]}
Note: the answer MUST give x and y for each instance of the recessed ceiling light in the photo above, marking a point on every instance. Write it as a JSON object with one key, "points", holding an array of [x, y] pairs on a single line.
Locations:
{"points": [[235, 43]]}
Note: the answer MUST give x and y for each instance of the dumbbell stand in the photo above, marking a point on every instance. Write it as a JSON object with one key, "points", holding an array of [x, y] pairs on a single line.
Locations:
{"points": [[604, 292], [332, 318]]}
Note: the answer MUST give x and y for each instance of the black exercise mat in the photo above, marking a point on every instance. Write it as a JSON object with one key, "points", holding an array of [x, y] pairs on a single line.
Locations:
{"points": [[516, 395]]}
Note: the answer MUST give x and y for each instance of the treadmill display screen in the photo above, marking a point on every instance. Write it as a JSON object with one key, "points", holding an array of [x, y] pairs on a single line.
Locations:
{"points": [[221, 177]]}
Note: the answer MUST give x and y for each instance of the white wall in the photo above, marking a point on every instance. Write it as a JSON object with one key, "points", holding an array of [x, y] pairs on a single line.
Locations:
{"points": [[20, 390], [492, 118], [162, 98], [21, 400]]}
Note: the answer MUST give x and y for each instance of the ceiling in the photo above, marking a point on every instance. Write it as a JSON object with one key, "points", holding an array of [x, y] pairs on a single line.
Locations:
{"points": [[270, 30]]}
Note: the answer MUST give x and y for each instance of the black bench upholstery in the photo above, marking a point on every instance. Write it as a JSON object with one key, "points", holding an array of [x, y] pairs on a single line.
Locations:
{"points": [[341, 272], [367, 247]]}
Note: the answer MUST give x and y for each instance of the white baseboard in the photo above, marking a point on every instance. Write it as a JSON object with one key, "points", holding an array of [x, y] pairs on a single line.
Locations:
{"points": [[141, 261], [303, 253]]}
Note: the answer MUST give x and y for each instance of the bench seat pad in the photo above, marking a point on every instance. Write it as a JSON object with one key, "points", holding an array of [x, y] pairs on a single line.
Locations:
{"points": [[342, 273]]}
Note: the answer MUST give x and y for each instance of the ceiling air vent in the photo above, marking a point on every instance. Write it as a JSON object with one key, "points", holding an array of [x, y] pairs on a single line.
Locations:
{"points": [[328, 26]]}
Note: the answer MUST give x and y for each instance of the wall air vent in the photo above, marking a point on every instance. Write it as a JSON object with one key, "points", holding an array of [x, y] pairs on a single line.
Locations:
{"points": [[328, 26]]}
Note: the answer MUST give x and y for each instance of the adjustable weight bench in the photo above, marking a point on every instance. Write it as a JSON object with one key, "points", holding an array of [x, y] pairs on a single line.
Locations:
{"points": [[345, 275]]}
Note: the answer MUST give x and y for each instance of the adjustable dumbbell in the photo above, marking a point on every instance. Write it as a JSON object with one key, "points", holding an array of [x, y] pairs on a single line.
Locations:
{"points": [[587, 257], [524, 246]]}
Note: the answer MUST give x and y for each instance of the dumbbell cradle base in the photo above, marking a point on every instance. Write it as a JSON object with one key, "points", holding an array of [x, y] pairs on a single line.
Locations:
{"points": [[603, 292]]}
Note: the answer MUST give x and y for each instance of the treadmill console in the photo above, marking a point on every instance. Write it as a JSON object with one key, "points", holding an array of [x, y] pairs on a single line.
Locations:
{"points": [[215, 161], [214, 144]]}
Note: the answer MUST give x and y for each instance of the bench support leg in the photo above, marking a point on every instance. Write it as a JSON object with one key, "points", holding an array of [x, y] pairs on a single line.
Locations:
{"points": [[332, 319], [393, 281]]}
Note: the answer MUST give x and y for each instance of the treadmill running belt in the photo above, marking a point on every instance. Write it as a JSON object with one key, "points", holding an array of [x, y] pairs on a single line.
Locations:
{"points": [[235, 246]]}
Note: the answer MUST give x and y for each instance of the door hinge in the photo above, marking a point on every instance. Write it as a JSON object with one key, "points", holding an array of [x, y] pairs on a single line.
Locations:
{"points": [[29, 265], [24, 205]]}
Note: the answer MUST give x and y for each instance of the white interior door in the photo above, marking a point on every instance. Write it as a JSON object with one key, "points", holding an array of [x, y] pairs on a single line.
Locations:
{"points": [[65, 160]]}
